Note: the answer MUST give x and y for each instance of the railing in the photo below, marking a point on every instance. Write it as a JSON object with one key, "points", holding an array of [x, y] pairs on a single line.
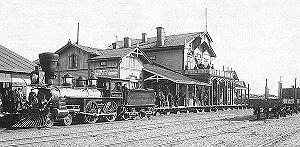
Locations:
{"points": [[213, 72]]}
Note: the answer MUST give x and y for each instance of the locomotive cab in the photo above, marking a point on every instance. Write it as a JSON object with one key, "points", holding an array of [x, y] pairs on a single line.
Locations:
{"points": [[110, 87]]}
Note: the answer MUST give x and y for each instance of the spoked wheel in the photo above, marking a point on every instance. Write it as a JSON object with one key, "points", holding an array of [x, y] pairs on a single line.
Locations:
{"points": [[49, 122], [125, 116], [68, 120], [110, 108], [142, 114], [91, 107]]}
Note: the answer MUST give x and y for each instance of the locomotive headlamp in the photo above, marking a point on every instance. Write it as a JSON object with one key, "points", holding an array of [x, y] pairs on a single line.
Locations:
{"points": [[92, 80], [67, 80]]}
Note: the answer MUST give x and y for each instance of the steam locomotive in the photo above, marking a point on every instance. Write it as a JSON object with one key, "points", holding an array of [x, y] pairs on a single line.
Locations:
{"points": [[103, 98]]}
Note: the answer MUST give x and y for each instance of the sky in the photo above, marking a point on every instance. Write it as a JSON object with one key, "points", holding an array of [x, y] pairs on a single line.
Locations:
{"points": [[258, 39]]}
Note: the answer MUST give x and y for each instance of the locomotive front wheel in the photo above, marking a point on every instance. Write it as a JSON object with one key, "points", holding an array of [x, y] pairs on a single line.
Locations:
{"points": [[91, 107], [68, 120], [49, 122]]}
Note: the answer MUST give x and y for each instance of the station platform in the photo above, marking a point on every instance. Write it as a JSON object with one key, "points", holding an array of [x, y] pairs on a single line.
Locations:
{"points": [[196, 109]]}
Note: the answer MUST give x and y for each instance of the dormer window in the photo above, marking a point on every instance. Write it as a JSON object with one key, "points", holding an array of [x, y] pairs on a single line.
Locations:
{"points": [[73, 61]]}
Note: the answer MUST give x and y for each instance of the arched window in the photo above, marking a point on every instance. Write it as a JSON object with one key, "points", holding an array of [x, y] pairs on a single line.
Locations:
{"points": [[73, 61]]}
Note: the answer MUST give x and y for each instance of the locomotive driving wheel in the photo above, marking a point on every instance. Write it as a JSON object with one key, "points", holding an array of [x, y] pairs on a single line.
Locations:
{"points": [[92, 108], [110, 108]]}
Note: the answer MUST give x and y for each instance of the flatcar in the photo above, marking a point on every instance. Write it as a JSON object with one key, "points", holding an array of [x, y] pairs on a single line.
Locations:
{"points": [[266, 106], [279, 106], [106, 98]]}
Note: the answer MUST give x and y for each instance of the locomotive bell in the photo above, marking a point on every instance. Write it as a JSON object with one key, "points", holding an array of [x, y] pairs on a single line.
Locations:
{"points": [[49, 63]]}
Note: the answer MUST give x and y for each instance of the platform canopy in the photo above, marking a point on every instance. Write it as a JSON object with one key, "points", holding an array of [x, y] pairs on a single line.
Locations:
{"points": [[161, 73]]}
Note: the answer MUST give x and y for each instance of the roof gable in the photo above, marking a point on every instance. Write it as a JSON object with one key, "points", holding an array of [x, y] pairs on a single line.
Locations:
{"points": [[10, 61], [120, 53], [86, 49]]}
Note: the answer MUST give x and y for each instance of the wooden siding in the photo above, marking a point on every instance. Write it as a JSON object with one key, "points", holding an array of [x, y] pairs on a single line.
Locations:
{"points": [[64, 59], [172, 59], [134, 71]]}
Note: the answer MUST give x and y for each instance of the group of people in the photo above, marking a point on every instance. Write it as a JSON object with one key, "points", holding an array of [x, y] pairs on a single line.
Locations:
{"points": [[14, 100], [202, 66], [166, 100]]}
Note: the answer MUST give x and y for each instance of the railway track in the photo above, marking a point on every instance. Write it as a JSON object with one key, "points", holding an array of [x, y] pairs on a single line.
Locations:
{"points": [[271, 142], [112, 130], [279, 139], [81, 126], [177, 140]]}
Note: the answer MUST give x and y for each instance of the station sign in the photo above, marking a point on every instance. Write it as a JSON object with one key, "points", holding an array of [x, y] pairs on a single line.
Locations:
{"points": [[106, 72]]}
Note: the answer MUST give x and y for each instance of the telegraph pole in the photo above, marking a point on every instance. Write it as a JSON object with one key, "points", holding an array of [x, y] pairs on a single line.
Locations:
{"points": [[295, 92], [280, 88]]}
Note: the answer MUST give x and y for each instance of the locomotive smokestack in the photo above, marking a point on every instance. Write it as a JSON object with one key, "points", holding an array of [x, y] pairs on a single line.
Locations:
{"points": [[49, 62]]}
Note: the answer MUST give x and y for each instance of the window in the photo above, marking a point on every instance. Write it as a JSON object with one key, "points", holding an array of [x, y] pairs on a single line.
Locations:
{"points": [[152, 57], [102, 63], [130, 62], [73, 61]]}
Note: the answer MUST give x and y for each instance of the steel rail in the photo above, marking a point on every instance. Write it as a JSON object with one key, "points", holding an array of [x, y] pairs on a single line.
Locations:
{"points": [[87, 133]]}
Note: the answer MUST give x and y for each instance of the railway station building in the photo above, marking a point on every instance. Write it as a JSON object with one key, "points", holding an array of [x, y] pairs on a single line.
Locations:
{"points": [[191, 55], [144, 62]]}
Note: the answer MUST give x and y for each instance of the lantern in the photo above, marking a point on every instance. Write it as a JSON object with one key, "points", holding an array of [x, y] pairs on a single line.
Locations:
{"points": [[92, 80], [67, 80]]}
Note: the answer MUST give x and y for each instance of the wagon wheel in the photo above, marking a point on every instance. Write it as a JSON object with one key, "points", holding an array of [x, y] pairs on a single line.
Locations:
{"points": [[142, 114], [67, 120], [110, 108], [91, 107], [125, 116]]}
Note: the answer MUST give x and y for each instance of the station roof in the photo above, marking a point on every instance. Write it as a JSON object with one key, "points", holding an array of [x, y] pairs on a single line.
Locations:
{"points": [[12, 62], [120, 53], [87, 49], [170, 41], [161, 73], [113, 53]]}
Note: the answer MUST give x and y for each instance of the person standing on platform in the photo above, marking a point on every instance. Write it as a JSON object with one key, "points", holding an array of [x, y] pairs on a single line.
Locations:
{"points": [[161, 98], [170, 99], [125, 93]]}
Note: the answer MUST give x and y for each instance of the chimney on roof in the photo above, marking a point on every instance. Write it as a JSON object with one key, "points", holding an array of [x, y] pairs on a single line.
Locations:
{"points": [[127, 42], [160, 36], [144, 37], [77, 34], [114, 45]]}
